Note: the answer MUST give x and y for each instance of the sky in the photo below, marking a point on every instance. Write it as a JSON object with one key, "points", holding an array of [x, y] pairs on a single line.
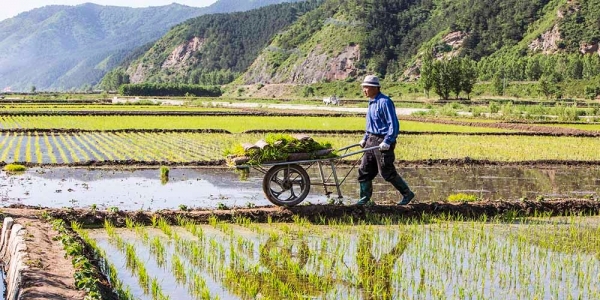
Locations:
{"points": [[11, 8]]}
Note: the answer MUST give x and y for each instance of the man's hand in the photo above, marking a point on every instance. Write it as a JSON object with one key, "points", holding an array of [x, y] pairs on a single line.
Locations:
{"points": [[362, 143], [384, 147]]}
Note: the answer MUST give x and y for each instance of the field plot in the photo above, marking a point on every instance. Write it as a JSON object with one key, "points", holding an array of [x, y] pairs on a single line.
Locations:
{"points": [[234, 124], [442, 260], [61, 107], [189, 148]]}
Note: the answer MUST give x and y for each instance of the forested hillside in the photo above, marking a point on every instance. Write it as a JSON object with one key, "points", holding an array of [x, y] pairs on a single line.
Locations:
{"points": [[328, 40], [212, 49]]}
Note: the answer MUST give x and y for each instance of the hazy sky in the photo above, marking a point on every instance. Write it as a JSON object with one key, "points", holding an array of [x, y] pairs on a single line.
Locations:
{"points": [[10, 8]]}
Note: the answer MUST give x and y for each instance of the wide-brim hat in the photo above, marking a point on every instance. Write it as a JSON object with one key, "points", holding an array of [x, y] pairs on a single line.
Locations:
{"points": [[371, 80]]}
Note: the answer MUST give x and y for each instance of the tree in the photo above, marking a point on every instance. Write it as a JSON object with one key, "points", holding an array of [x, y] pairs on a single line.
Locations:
{"points": [[533, 70], [426, 80], [499, 84], [468, 76], [114, 79], [455, 74], [441, 74], [575, 66], [33, 89], [547, 87]]}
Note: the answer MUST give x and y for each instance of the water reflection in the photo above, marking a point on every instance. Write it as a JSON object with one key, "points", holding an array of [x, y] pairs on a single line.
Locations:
{"points": [[209, 188], [283, 273], [376, 274]]}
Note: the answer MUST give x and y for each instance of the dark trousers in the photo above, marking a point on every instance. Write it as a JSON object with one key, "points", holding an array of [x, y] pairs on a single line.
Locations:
{"points": [[377, 162]]}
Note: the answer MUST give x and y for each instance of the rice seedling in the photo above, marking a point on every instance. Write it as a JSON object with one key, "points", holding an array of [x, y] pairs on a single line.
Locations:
{"points": [[230, 123], [462, 197], [133, 262], [71, 148], [38, 150], [28, 145], [164, 174], [388, 258], [17, 152], [14, 168], [61, 152]]}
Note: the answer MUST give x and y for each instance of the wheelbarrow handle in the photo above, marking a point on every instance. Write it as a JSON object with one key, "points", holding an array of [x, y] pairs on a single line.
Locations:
{"points": [[348, 147], [346, 154]]}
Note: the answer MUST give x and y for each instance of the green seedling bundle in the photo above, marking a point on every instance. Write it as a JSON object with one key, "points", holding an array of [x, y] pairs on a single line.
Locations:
{"points": [[278, 147]]}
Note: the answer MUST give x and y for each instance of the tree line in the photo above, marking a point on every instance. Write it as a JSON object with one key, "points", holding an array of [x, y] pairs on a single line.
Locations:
{"points": [[168, 89], [454, 75], [459, 74]]}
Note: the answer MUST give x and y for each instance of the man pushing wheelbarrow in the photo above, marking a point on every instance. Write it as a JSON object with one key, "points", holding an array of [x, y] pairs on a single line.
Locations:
{"points": [[381, 130]]}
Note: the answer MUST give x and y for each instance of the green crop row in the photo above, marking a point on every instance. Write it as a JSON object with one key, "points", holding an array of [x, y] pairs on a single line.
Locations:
{"points": [[48, 148], [58, 107], [229, 123]]}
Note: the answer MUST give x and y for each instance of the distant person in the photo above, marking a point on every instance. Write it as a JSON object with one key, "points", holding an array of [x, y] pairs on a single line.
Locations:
{"points": [[382, 130]]}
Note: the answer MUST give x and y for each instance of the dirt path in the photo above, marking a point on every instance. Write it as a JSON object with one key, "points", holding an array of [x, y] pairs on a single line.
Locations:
{"points": [[399, 111], [50, 274]]}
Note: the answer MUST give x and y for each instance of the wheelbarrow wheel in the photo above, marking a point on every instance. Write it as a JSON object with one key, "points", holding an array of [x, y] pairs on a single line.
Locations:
{"points": [[286, 185]]}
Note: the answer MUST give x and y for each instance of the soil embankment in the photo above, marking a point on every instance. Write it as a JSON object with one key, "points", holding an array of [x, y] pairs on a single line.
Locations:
{"points": [[35, 264], [318, 213]]}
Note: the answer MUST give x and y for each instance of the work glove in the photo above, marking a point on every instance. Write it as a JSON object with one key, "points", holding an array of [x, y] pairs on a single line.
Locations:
{"points": [[384, 146], [362, 143]]}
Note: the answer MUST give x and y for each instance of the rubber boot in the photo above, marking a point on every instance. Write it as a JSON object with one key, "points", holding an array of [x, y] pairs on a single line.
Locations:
{"points": [[403, 188], [366, 191]]}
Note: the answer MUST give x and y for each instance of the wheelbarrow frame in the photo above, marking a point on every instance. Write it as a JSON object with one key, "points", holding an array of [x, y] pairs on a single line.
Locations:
{"points": [[271, 169]]}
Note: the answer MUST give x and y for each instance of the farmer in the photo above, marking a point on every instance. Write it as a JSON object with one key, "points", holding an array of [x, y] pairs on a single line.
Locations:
{"points": [[382, 130]]}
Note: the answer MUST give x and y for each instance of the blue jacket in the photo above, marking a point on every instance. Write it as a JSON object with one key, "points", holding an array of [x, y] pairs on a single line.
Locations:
{"points": [[382, 118]]}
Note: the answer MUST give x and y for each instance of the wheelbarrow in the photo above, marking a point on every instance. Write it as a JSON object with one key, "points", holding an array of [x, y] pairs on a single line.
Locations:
{"points": [[288, 183]]}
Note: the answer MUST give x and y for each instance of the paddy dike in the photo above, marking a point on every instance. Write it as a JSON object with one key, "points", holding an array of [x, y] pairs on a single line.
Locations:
{"points": [[324, 213], [34, 263]]}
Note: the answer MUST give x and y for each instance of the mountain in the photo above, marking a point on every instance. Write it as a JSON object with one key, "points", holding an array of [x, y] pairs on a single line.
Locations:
{"points": [[64, 47], [344, 39]]}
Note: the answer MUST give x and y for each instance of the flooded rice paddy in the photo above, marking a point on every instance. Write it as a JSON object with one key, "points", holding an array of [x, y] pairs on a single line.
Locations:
{"points": [[142, 189], [447, 260]]}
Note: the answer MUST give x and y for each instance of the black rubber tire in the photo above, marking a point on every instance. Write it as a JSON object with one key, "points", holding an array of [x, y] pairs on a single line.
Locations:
{"points": [[286, 185]]}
